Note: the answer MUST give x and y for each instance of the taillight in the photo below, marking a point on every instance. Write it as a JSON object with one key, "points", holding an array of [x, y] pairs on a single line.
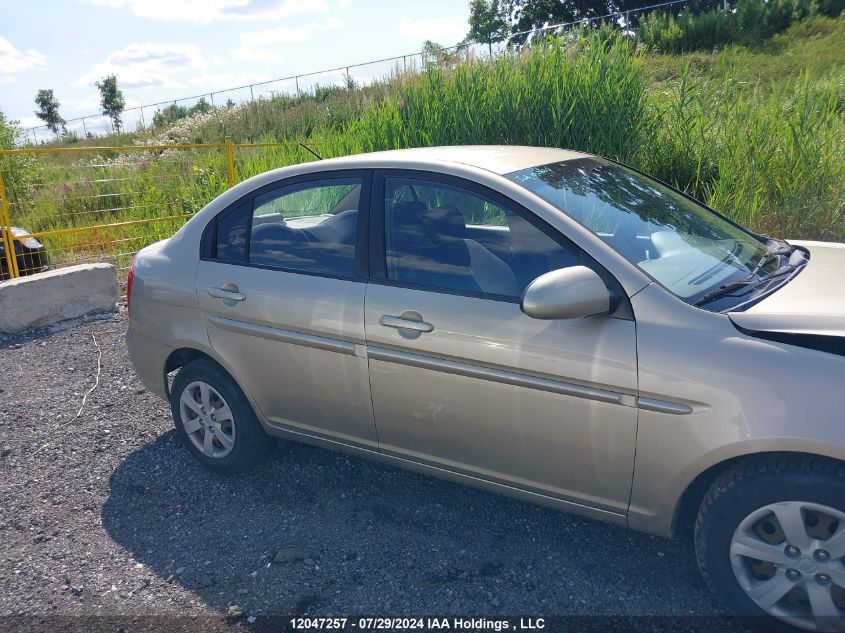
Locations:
{"points": [[129, 279]]}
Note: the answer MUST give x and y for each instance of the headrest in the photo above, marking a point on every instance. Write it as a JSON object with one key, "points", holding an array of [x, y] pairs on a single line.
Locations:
{"points": [[338, 229], [433, 227], [275, 235], [449, 221]]}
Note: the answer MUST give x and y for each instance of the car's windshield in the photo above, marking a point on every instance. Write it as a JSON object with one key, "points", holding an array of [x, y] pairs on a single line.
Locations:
{"points": [[687, 248]]}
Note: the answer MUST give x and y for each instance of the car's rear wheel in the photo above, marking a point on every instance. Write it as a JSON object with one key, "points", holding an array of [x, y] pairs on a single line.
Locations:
{"points": [[770, 540], [215, 420]]}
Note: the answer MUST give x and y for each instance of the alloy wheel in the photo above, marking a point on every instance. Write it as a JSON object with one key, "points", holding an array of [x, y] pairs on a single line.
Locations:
{"points": [[207, 419], [789, 558]]}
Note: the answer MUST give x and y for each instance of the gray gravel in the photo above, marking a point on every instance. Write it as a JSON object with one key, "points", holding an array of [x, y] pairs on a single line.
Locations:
{"points": [[107, 515]]}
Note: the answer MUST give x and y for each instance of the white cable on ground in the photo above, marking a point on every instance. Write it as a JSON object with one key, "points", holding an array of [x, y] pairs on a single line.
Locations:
{"points": [[88, 393]]}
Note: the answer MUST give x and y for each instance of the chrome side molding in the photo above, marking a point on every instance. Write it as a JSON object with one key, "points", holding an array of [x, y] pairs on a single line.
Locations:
{"points": [[663, 406], [286, 336], [497, 375]]}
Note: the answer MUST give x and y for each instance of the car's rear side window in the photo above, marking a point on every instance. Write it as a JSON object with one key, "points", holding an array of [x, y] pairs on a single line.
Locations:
{"points": [[309, 227]]}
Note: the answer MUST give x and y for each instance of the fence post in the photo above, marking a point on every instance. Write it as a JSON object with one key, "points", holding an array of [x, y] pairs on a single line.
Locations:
{"points": [[230, 161], [251, 95], [6, 229]]}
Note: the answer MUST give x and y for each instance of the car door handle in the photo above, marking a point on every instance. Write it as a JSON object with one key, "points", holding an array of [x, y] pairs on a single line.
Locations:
{"points": [[228, 295], [405, 324]]}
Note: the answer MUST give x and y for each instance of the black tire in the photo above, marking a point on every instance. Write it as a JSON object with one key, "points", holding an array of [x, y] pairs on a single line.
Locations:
{"points": [[251, 444], [739, 491]]}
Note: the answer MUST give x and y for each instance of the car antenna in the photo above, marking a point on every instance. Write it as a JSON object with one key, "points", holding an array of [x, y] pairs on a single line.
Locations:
{"points": [[304, 146]]}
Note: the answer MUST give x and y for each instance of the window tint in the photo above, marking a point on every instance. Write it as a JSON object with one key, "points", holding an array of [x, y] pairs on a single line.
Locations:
{"points": [[307, 226], [683, 245], [448, 237], [232, 232]]}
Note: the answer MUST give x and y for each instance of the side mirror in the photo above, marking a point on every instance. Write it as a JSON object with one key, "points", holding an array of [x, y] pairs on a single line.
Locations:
{"points": [[566, 293]]}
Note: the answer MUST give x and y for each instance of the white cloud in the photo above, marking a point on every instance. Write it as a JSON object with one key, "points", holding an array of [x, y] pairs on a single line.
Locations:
{"points": [[444, 31], [222, 81], [14, 61], [263, 45], [147, 64], [256, 55], [88, 103], [205, 11], [280, 35], [27, 122]]}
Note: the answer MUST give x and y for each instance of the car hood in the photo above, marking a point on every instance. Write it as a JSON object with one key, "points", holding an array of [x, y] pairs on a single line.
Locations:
{"points": [[812, 303]]}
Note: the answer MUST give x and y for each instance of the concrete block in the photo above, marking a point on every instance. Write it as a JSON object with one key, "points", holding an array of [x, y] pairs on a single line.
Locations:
{"points": [[56, 295]]}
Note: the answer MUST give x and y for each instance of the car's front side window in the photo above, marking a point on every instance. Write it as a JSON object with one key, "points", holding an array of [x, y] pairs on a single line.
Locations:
{"points": [[442, 236], [309, 227]]}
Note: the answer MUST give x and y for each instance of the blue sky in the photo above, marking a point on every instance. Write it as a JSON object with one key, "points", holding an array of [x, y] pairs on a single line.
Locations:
{"points": [[166, 49]]}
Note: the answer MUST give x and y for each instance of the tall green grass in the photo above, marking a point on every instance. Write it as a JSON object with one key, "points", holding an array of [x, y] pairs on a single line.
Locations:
{"points": [[771, 159], [758, 134], [770, 156], [590, 95]]}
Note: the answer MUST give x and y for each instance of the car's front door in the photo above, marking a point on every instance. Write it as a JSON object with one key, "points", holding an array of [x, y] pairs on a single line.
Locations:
{"points": [[281, 284], [461, 378]]}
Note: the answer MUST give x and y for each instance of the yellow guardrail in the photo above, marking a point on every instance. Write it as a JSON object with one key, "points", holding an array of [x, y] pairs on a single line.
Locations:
{"points": [[6, 231], [107, 202]]}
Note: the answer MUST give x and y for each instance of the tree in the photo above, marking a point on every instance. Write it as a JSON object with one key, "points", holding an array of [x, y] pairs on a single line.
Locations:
{"points": [[10, 132], [169, 115], [111, 100], [487, 22], [21, 172], [173, 112], [200, 106], [529, 15], [48, 110], [434, 55]]}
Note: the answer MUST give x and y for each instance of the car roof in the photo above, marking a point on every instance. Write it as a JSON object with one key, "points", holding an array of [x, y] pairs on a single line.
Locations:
{"points": [[499, 159]]}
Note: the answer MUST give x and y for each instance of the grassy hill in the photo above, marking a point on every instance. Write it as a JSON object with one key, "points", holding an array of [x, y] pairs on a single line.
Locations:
{"points": [[757, 132]]}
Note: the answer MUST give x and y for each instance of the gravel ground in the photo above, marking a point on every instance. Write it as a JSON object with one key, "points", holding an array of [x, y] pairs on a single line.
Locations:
{"points": [[105, 514]]}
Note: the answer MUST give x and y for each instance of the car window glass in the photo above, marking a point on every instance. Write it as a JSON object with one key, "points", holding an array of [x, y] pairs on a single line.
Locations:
{"points": [[232, 232], [308, 226], [448, 237], [686, 247]]}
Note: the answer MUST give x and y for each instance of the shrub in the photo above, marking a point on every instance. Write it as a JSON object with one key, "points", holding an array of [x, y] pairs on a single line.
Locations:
{"points": [[750, 22], [20, 173]]}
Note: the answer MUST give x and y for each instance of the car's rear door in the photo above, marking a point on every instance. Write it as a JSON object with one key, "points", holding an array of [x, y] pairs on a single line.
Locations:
{"points": [[461, 378], [281, 284]]}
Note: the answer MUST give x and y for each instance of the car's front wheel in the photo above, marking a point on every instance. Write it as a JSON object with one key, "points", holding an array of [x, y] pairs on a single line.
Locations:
{"points": [[770, 540], [215, 420]]}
